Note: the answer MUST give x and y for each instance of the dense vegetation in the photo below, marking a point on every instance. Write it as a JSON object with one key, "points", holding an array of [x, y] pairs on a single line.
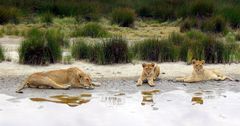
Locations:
{"points": [[1, 54], [193, 45], [112, 50], [162, 10], [209, 29], [91, 29], [40, 48]]}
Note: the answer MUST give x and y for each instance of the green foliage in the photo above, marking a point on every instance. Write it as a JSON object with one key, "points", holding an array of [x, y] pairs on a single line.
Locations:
{"points": [[188, 24], [193, 45], [47, 18], [215, 24], [154, 50], [80, 50], [124, 17], [1, 54], [9, 15], [237, 35], [39, 49], [58, 36], [232, 15], [112, 50], [93, 30], [201, 8]]}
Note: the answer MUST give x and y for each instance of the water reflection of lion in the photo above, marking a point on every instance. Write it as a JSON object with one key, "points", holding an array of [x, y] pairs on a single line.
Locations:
{"points": [[58, 79]]}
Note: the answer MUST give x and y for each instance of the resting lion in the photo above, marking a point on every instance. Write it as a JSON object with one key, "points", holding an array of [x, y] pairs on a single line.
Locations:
{"points": [[150, 73], [58, 79], [201, 74]]}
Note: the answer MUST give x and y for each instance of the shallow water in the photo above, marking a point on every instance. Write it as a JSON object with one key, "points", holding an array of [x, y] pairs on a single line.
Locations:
{"points": [[203, 107]]}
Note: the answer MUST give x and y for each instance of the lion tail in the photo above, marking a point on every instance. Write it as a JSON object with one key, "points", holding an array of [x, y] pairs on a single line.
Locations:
{"points": [[229, 78], [21, 86]]}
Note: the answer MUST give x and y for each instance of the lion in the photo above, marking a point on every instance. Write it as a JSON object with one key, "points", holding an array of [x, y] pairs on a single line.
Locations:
{"points": [[150, 73], [201, 74], [58, 79]]}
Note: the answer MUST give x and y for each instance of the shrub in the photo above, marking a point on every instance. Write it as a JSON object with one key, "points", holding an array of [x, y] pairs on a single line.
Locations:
{"points": [[124, 17], [80, 50], [237, 36], [1, 54], [201, 46], [232, 15], [163, 11], [93, 30], [97, 54], [47, 18], [188, 24], [145, 11], [215, 24], [58, 36], [154, 50], [9, 14], [113, 50], [201, 8], [39, 49]]}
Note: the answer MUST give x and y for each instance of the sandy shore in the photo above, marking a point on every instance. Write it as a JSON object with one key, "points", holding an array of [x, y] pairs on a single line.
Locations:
{"points": [[168, 70]]}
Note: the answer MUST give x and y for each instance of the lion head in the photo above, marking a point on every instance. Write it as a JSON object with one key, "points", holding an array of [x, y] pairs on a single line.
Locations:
{"points": [[81, 79], [198, 65], [148, 68], [85, 80]]}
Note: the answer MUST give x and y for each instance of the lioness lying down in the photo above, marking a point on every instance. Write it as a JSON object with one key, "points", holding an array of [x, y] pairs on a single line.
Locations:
{"points": [[201, 74], [150, 73], [58, 79]]}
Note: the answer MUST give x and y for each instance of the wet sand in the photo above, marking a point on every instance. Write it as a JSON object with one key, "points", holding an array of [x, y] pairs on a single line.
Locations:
{"points": [[121, 85]]}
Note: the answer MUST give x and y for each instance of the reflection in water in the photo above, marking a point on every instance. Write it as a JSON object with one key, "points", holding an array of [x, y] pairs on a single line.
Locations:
{"points": [[148, 96], [72, 101], [197, 100], [199, 96], [127, 110], [112, 100]]}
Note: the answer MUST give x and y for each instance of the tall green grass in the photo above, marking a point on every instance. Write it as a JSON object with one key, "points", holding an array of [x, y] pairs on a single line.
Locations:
{"points": [[1, 54], [232, 15], [193, 45], [57, 34], [124, 17], [109, 51], [39, 49], [80, 50], [9, 15], [91, 29], [154, 50], [47, 18]]}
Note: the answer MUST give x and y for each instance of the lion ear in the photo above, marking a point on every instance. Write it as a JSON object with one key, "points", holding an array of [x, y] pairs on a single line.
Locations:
{"points": [[203, 61], [152, 64], [193, 61], [144, 64]]}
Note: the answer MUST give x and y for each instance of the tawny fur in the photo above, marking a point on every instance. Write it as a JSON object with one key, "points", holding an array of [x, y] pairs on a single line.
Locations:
{"points": [[57, 79], [201, 74], [150, 73]]}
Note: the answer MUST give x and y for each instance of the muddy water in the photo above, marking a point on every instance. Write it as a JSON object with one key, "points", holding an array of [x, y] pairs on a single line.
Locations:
{"points": [[172, 108]]}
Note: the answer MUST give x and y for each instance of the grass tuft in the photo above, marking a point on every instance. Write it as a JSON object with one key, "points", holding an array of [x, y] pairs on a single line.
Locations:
{"points": [[39, 49], [1, 54], [124, 17]]}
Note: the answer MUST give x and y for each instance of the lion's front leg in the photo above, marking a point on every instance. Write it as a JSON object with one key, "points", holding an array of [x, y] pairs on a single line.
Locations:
{"points": [[180, 79], [150, 82], [190, 80], [140, 81]]}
